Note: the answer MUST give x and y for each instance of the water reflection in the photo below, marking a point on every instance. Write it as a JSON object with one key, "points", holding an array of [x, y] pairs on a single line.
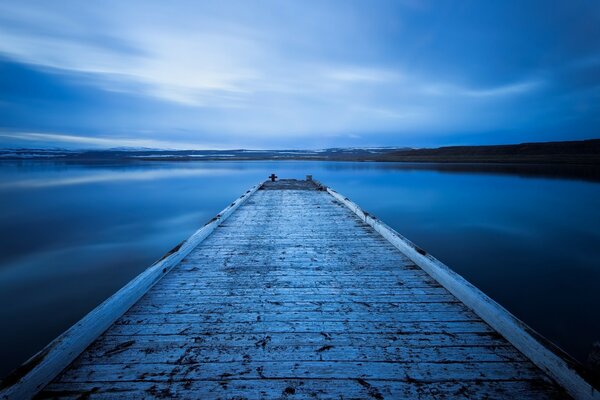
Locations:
{"points": [[109, 176], [71, 234], [555, 171]]}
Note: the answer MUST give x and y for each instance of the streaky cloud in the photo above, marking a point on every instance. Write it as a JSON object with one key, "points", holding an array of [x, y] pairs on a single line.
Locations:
{"points": [[236, 73]]}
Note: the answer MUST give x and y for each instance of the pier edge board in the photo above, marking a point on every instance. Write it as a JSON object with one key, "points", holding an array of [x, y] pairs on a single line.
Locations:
{"points": [[560, 366], [34, 374]]}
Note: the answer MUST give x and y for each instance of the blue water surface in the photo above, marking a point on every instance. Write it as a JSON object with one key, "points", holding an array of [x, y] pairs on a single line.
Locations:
{"points": [[72, 234]]}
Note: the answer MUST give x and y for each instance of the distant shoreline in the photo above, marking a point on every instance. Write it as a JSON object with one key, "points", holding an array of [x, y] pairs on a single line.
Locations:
{"points": [[584, 152]]}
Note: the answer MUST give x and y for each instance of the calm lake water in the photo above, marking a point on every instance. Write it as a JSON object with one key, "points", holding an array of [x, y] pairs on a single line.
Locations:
{"points": [[71, 235]]}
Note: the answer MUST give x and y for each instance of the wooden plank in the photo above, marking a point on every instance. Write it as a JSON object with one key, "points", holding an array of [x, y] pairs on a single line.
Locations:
{"points": [[394, 298], [292, 273], [354, 388], [40, 369], [295, 281], [301, 292], [268, 317], [193, 353], [198, 328], [155, 307], [422, 372], [429, 339]]}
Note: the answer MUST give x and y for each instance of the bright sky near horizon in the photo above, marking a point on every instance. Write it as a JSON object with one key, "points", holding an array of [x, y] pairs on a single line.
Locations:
{"points": [[297, 74]]}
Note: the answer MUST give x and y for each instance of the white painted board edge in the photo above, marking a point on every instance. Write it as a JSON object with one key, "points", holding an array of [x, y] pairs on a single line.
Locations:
{"points": [[544, 354], [42, 368]]}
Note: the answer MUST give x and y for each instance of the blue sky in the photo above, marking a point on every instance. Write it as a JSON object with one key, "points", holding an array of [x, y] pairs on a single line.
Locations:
{"points": [[297, 74]]}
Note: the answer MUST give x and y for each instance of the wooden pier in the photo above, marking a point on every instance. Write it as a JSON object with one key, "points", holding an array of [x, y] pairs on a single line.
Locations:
{"points": [[291, 292]]}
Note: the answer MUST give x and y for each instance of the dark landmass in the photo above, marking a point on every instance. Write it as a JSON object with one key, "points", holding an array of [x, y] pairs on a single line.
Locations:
{"points": [[585, 152], [590, 172]]}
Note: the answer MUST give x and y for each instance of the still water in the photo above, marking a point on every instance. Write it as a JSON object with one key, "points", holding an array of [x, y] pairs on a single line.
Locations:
{"points": [[71, 235]]}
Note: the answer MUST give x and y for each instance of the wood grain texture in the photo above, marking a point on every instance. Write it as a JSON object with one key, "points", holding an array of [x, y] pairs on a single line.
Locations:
{"points": [[296, 297]]}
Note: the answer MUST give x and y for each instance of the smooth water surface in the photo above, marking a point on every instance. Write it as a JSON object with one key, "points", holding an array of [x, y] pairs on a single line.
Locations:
{"points": [[71, 235]]}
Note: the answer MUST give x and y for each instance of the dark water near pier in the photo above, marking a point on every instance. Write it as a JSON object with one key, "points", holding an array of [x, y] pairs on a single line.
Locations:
{"points": [[71, 235]]}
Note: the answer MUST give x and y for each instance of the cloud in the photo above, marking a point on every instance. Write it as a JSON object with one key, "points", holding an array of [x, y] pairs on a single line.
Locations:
{"points": [[191, 67], [99, 142], [505, 90], [358, 74], [212, 65], [289, 73]]}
